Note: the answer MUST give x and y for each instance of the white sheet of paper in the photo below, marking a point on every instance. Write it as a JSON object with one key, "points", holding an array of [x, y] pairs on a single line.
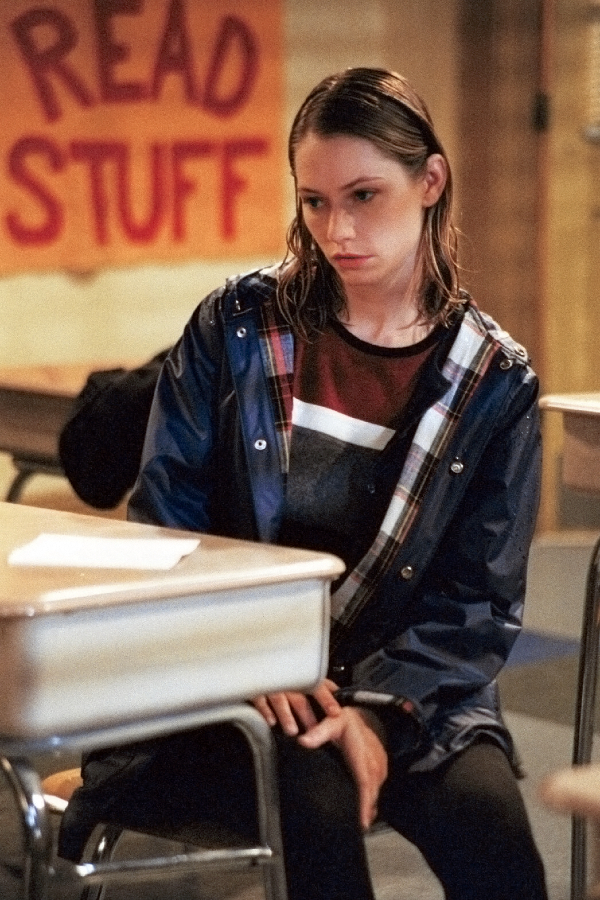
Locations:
{"points": [[102, 553]]}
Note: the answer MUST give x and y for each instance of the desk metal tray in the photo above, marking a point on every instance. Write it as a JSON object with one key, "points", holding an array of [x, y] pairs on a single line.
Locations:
{"points": [[84, 648]]}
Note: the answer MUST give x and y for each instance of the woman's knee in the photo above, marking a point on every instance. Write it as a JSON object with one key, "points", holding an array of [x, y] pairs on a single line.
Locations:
{"points": [[470, 822], [315, 783]]}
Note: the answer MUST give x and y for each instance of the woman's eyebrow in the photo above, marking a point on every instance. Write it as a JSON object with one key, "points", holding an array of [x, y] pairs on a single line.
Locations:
{"points": [[361, 180], [345, 187]]}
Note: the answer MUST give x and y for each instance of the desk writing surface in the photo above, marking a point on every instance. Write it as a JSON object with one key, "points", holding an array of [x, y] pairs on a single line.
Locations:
{"points": [[586, 403], [218, 564], [35, 403], [81, 648], [61, 380]]}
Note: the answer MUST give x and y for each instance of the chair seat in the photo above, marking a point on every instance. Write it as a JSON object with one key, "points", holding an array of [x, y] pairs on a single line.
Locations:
{"points": [[62, 784], [59, 787]]}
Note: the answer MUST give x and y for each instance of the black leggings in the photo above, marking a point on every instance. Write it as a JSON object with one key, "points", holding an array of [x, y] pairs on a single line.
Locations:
{"points": [[467, 817]]}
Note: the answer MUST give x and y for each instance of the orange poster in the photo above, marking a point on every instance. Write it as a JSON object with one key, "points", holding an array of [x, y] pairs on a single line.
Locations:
{"points": [[139, 130]]}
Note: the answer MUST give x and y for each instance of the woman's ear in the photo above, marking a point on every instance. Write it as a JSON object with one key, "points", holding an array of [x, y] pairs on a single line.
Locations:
{"points": [[434, 179]]}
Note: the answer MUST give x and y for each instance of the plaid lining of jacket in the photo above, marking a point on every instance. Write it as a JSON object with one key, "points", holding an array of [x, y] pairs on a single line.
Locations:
{"points": [[465, 366]]}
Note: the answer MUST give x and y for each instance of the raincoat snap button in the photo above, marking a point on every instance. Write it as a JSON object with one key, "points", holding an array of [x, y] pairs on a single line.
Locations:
{"points": [[407, 572], [260, 444], [241, 332], [370, 488], [506, 364], [456, 467]]}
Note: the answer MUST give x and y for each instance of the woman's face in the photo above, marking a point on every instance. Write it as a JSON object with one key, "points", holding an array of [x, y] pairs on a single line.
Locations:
{"points": [[364, 209]]}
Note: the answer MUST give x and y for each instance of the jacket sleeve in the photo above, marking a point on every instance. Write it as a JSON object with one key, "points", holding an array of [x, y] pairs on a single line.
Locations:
{"points": [[465, 615], [175, 485]]}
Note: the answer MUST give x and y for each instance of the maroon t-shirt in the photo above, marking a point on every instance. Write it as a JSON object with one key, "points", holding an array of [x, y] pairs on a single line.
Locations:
{"points": [[348, 397]]}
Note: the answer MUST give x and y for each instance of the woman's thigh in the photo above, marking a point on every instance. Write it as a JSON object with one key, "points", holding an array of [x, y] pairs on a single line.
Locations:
{"points": [[174, 784], [468, 819], [324, 848]]}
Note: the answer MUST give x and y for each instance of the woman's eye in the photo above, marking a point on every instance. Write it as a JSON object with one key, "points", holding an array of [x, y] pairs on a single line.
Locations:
{"points": [[313, 202], [364, 195]]}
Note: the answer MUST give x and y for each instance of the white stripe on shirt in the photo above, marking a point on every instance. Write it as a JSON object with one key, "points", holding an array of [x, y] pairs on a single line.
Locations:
{"points": [[340, 426]]}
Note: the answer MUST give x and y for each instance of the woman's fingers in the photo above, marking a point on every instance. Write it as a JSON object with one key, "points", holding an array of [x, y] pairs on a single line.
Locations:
{"points": [[262, 705], [291, 710], [363, 751], [324, 695], [294, 711], [302, 711], [367, 757], [346, 727]]}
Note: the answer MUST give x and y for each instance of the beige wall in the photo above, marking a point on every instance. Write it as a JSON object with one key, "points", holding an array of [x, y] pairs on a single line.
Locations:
{"points": [[132, 313]]}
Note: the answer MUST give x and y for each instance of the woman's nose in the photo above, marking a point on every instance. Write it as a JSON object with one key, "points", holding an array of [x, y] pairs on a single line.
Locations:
{"points": [[340, 225]]}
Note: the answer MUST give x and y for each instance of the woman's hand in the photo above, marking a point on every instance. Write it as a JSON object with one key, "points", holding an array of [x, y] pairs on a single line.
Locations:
{"points": [[293, 710], [363, 751], [350, 729]]}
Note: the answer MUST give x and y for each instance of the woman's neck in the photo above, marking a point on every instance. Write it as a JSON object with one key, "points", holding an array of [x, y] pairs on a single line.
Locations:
{"points": [[385, 322]]}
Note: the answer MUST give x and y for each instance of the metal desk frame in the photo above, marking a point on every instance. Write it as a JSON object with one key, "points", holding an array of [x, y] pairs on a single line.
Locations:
{"points": [[586, 405], [583, 737], [26, 787]]}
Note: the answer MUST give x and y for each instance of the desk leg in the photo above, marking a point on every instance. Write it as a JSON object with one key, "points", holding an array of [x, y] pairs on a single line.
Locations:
{"points": [[17, 484], [26, 469], [584, 714], [258, 734], [27, 790]]}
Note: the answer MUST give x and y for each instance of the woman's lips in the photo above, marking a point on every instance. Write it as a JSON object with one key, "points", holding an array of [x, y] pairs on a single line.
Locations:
{"points": [[350, 260]]}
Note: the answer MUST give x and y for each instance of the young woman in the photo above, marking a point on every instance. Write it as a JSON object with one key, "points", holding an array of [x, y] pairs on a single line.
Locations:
{"points": [[355, 400]]}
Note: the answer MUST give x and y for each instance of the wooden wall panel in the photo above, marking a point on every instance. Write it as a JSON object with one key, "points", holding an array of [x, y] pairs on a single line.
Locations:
{"points": [[571, 321], [498, 163], [428, 56]]}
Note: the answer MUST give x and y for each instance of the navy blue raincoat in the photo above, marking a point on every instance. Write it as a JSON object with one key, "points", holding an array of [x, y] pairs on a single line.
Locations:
{"points": [[447, 609]]}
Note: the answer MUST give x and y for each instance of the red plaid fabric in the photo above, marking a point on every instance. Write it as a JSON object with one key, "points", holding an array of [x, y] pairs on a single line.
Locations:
{"points": [[466, 364]]}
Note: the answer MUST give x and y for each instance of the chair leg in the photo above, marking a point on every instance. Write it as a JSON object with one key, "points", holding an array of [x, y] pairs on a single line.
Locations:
{"points": [[27, 790], [259, 737], [584, 714], [103, 851]]}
